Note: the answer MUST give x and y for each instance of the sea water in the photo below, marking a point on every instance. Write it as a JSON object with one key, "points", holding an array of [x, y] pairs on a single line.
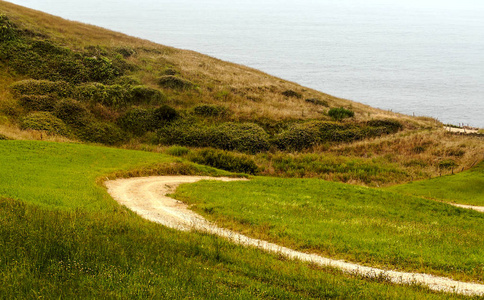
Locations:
{"points": [[422, 57]]}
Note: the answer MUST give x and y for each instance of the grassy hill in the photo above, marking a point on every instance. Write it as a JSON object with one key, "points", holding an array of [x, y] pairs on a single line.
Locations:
{"points": [[61, 235], [63, 80]]}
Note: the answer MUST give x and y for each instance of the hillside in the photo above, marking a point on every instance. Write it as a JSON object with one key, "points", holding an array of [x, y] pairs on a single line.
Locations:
{"points": [[63, 80]]}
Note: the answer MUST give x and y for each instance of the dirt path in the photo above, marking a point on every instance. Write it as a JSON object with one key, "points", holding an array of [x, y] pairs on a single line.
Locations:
{"points": [[147, 197], [478, 208]]}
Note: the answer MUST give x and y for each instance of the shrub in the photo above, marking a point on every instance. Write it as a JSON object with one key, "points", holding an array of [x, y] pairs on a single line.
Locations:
{"points": [[447, 164], [177, 151], [143, 94], [291, 93], [42, 87], [137, 121], [104, 133], [38, 102], [127, 80], [72, 112], [8, 30], [174, 82], [340, 113], [304, 135], [225, 160], [44, 121], [316, 101], [207, 110], [3, 137], [109, 95], [163, 115], [246, 137], [125, 51], [390, 126]]}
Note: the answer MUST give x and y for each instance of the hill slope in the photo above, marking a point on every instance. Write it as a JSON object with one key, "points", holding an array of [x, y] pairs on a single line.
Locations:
{"points": [[65, 80]]}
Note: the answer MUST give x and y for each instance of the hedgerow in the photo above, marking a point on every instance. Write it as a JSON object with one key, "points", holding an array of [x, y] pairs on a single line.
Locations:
{"points": [[244, 137]]}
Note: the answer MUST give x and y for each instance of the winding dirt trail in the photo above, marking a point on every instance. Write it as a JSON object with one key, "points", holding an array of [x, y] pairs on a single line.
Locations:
{"points": [[147, 197]]}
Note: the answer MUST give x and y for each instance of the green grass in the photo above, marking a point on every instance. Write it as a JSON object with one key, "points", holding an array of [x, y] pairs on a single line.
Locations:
{"points": [[465, 188], [83, 245], [374, 227]]}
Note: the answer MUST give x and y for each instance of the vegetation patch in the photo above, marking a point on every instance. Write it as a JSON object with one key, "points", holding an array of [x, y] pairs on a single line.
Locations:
{"points": [[208, 110], [244, 137], [225, 160], [358, 224], [292, 94], [316, 101], [44, 121], [175, 82], [340, 113], [466, 187]]}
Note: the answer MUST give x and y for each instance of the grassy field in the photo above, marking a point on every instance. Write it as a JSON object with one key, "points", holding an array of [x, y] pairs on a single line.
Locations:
{"points": [[373, 227], [61, 236], [464, 188]]}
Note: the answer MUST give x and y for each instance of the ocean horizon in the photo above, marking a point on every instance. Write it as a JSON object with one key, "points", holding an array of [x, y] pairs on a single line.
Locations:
{"points": [[421, 58]]}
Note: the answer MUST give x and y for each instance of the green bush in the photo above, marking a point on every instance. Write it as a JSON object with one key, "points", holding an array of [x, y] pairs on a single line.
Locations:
{"points": [[104, 133], [291, 93], [42, 87], [340, 113], [143, 94], [447, 164], [38, 102], [44, 121], [316, 101], [127, 80], [208, 110], [8, 30], [225, 160], [39, 58], [3, 137], [245, 137], [137, 121], [174, 82], [177, 151], [389, 125], [73, 112], [109, 95], [163, 115], [304, 135]]}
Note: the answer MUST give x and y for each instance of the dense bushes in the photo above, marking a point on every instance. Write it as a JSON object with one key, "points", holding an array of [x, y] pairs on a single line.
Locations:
{"points": [[304, 135], [110, 95], [7, 29], [44, 121], [38, 102], [73, 112], [207, 110], [42, 87], [104, 133], [225, 160], [174, 82], [340, 113], [42, 59], [137, 121], [245, 137]]}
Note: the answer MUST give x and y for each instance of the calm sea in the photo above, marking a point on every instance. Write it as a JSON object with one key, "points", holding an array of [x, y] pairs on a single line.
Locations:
{"points": [[422, 57]]}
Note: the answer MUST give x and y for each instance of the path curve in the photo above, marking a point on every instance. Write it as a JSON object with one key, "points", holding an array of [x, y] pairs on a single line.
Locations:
{"points": [[147, 197]]}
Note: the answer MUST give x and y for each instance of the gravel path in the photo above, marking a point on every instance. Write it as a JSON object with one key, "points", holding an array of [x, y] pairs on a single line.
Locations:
{"points": [[147, 197]]}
